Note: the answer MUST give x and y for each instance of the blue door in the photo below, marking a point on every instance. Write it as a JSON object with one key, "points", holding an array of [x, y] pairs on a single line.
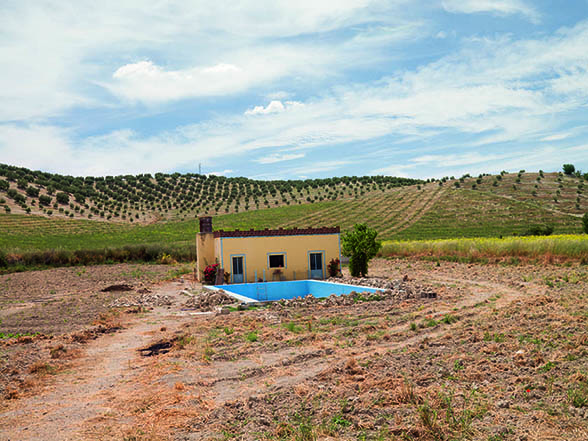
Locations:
{"points": [[316, 265], [238, 273]]}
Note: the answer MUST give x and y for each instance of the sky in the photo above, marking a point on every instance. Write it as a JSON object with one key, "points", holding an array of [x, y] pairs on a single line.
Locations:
{"points": [[294, 89]]}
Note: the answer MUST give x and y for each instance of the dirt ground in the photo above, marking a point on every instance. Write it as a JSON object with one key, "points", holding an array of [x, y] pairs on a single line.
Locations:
{"points": [[499, 354], [63, 300]]}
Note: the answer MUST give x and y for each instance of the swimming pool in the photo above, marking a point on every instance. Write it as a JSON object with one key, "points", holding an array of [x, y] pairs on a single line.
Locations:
{"points": [[271, 291]]}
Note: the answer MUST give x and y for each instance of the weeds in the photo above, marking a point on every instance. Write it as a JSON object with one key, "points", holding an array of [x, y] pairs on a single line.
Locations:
{"points": [[578, 395], [449, 319], [304, 429], [293, 327], [430, 322], [251, 337]]}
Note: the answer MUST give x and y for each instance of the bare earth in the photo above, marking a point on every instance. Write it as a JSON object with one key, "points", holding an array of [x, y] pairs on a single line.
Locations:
{"points": [[500, 354]]}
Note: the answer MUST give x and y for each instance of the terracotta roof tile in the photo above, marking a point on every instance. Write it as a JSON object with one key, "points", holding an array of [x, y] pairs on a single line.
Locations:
{"points": [[278, 232]]}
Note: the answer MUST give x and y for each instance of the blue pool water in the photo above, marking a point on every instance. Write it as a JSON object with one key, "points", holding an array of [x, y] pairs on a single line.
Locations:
{"points": [[271, 291]]}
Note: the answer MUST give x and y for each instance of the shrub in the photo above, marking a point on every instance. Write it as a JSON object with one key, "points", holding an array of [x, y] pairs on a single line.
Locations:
{"points": [[4, 185], [539, 230], [333, 267], [360, 245], [585, 222], [210, 273]]}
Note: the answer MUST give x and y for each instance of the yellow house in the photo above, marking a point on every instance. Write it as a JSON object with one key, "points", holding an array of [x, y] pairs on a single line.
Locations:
{"points": [[254, 255]]}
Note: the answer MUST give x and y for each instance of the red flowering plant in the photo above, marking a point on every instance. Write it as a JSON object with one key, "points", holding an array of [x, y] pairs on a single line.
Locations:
{"points": [[210, 273], [333, 267]]}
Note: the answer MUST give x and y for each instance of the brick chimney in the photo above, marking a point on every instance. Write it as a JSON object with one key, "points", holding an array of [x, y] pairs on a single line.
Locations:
{"points": [[206, 224]]}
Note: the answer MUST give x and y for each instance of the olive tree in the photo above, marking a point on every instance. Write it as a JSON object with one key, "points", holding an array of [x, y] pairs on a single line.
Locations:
{"points": [[569, 169], [360, 245]]}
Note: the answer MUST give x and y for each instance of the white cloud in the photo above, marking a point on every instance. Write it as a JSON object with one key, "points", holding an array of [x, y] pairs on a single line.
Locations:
{"points": [[279, 95], [455, 160], [274, 106], [315, 167], [145, 81], [55, 54], [502, 7], [556, 137], [220, 173], [279, 157]]}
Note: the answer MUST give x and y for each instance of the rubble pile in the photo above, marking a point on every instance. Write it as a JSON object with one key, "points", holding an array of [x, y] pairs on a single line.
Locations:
{"points": [[209, 300], [143, 299], [372, 282]]}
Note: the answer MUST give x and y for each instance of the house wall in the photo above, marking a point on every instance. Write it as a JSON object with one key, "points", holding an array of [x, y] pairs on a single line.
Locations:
{"points": [[295, 247], [205, 252]]}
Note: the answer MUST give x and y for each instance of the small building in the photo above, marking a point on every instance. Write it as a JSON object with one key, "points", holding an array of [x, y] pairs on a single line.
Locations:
{"points": [[267, 255]]}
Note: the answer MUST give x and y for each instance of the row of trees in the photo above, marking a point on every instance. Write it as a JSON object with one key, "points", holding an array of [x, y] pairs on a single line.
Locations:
{"points": [[183, 191]]}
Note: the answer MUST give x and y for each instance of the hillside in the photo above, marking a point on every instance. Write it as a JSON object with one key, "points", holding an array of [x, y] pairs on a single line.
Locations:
{"points": [[439, 209], [147, 199]]}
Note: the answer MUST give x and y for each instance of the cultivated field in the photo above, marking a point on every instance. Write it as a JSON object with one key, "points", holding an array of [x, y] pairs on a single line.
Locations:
{"points": [[499, 354]]}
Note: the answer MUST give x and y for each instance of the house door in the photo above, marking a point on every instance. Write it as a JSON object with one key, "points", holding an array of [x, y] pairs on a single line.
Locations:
{"points": [[238, 273], [316, 265]]}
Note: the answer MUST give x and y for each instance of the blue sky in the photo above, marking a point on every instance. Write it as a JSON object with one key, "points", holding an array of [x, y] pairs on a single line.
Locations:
{"points": [[286, 90]]}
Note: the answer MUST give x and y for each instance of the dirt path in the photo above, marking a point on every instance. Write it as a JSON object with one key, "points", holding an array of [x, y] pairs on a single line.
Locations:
{"points": [[83, 392]]}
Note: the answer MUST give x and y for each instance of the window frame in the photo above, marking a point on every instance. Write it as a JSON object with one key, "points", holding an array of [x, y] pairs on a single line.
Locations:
{"points": [[283, 254]]}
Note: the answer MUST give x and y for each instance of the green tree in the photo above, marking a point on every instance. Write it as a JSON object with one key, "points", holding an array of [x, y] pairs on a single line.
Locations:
{"points": [[62, 198], [585, 222], [360, 245], [569, 169]]}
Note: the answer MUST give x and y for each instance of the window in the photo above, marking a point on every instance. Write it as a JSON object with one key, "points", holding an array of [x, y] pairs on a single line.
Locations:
{"points": [[277, 261]]}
